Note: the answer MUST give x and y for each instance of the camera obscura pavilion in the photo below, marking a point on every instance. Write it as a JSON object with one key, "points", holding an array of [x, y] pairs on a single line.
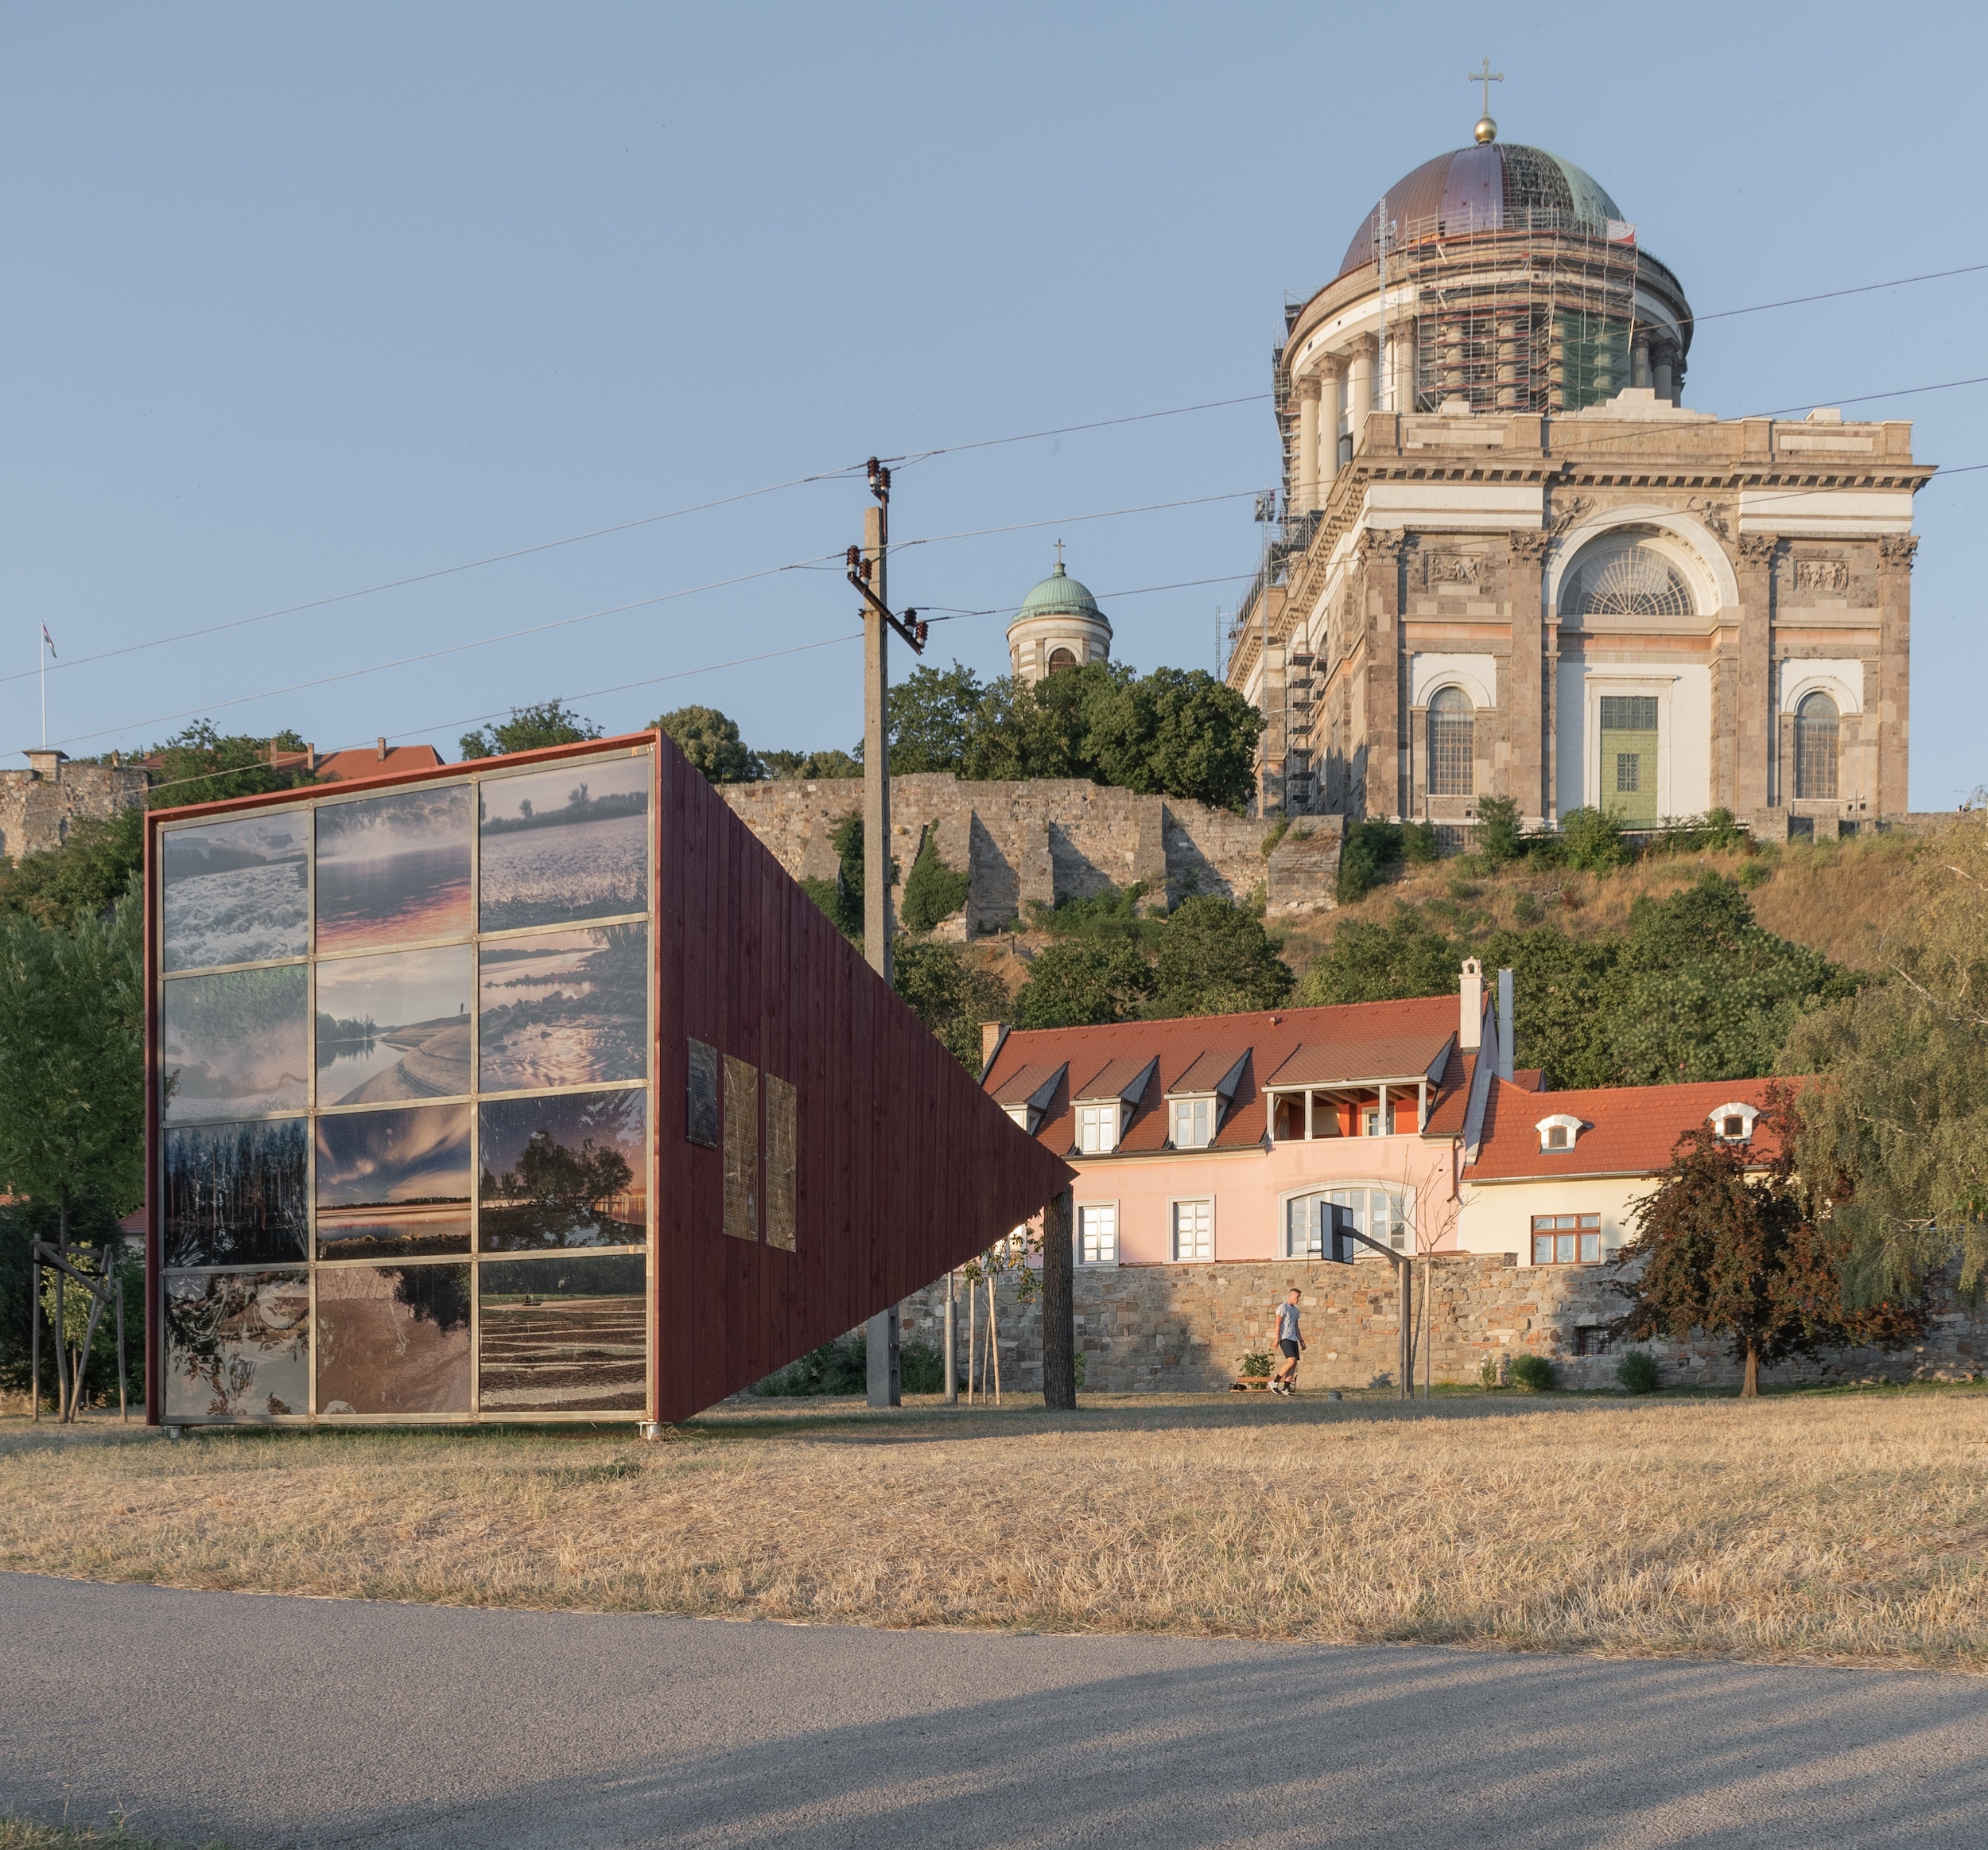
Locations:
{"points": [[528, 1088]]}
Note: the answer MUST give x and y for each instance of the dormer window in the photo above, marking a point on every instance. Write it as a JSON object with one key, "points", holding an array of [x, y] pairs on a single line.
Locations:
{"points": [[1193, 1123], [1097, 1129], [1560, 1132], [1733, 1123]]}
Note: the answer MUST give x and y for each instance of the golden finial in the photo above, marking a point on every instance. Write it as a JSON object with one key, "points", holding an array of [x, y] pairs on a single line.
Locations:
{"points": [[1486, 130]]}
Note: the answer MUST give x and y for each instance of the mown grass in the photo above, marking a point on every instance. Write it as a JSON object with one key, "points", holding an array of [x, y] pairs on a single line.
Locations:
{"points": [[25, 1834], [1820, 1528]]}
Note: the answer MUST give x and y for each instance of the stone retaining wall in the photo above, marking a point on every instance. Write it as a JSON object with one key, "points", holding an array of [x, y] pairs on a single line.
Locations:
{"points": [[1180, 1328]]}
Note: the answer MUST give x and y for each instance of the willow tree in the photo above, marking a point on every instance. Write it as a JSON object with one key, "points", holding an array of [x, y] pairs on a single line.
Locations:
{"points": [[72, 1070], [1896, 1119]]}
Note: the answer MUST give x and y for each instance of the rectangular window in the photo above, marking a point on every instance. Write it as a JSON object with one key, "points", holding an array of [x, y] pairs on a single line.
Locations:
{"points": [[701, 1097], [741, 1148], [1629, 772], [1194, 1229], [1193, 1123], [1592, 1339], [1098, 1235], [1628, 768], [1097, 1129], [1370, 1121], [1566, 1239], [782, 1182]]}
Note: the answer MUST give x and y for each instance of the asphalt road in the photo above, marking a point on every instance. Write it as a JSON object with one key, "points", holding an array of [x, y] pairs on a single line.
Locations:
{"points": [[274, 1721]]}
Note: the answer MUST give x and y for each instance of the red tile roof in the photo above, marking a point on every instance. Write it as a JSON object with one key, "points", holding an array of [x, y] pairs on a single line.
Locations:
{"points": [[1627, 1130], [1346, 1062], [1423, 1025], [393, 761], [1213, 1072], [1117, 1076]]}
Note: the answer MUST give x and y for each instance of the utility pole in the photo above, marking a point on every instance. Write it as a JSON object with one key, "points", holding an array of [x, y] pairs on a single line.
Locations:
{"points": [[868, 571]]}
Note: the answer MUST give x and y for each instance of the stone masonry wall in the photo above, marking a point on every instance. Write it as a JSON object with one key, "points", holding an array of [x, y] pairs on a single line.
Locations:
{"points": [[1180, 1329], [1045, 839], [36, 808]]}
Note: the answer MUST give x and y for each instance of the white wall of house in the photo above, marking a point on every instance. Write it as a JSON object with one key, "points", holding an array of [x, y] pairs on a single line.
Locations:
{"points": [[1497, 1216]]}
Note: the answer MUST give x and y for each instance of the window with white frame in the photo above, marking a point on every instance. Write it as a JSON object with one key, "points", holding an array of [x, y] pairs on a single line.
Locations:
{"points": [[1560, 1132], [1733, 1123], [1193, 1123], [1097, 1233], [1194, 1229], [1097, 1129], [1566, 1239], [1382, 1214]]}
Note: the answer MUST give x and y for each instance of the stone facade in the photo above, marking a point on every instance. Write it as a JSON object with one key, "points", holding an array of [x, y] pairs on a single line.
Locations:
{"points": [[38, 805], [1179, 1329], [1046, 840]]}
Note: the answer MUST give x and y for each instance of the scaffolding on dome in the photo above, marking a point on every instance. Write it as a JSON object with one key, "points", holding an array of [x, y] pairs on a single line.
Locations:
{"points": [[1536, 318]]}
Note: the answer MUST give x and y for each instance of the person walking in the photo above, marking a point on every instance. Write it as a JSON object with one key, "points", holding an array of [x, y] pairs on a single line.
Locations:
{"points": [[1291, 1342]]}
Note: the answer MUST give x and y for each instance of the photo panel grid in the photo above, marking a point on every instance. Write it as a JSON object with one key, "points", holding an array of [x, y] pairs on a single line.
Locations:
{"points": [[237, 892], [565, 844], [395, 869]]}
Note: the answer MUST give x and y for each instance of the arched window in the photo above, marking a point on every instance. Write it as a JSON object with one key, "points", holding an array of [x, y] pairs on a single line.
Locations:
{"points": [[1816, 726], [1633, 580], [1061, 659], [1382, 1211], [1452, 743]]}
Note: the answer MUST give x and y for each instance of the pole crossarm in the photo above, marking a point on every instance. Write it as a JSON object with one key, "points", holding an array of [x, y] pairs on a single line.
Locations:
{"points": [[908, 626]]}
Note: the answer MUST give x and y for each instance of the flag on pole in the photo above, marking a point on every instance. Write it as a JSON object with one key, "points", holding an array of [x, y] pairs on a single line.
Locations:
{"points": [[49, 640]]}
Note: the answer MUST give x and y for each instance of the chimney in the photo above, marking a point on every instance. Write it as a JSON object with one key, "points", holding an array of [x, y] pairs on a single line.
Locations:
{"points": [[992, 1034], [46, 761], [1504, 1026], [381, 753], [1471, 1007]]}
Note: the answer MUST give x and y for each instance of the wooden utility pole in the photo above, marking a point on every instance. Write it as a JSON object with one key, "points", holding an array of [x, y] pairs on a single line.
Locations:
{"points": [[868, 572], [1059, 1325]]}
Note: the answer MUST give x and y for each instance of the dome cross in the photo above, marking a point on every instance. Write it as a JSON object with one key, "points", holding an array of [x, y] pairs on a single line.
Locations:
{"points": [[1487, 129]]}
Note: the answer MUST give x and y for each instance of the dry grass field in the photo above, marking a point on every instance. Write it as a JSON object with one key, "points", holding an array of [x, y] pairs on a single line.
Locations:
{"points": [[1846, 1527]]}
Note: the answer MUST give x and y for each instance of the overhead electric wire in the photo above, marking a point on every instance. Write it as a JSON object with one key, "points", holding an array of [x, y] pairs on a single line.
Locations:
{"points": [[1830, 294]]}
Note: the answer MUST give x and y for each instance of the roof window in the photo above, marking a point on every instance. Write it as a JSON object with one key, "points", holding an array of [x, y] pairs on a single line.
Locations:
{"points": [[1560, 1132], [1201, 1096], [1733, 1124]]}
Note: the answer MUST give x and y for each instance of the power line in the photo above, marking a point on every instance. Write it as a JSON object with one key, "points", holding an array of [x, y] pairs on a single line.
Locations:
{"points": [[1865, 398], [1830, 294], [1064, 430], [940, 614]]}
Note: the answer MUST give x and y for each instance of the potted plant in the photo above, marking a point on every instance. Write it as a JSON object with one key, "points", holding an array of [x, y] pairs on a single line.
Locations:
{"points": [[1253, 1372]]}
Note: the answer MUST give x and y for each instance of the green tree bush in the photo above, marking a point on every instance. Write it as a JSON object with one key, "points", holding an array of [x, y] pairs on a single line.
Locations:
{"points": [[1591, 842], [1370, 850], [951, 994], [1637, 1373], [530, 729], [1213, 957], [1498, 841], [933, 891], [815, 767], [1078, 983], [711, 742], [1534, 1374]]}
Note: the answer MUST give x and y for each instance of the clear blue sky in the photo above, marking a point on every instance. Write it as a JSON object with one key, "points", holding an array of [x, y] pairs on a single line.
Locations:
{"points": [[302, 300]]}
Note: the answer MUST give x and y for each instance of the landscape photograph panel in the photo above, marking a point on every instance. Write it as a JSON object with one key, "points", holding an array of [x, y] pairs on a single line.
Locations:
{"points": [[393, 1339], [235, 1044], [237, 1345], [392, 868], [564, 1171], [566, 844], [237, 1193], [236, 891], [563, 1336], [564, 1009], [395, 1026], [392, 1184]]}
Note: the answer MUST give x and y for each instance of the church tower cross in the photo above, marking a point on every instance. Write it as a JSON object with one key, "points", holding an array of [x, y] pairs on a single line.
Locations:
{"points": [[1487, 129]]}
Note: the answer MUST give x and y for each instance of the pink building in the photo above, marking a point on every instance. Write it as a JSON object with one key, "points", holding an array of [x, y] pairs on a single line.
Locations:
{"points": [[1221, 1138]]}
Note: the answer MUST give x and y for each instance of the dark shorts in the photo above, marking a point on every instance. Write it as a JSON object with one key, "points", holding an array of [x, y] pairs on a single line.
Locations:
{"points": [[1288, 1347]]}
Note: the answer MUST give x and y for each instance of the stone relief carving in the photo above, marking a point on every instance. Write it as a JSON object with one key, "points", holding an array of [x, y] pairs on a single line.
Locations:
{"points": [[1388, 543], [1532, 547], [1896, 549], [1712, 515], [1569, 511], [1758, 549], [1441, 569], [1826, 575]]}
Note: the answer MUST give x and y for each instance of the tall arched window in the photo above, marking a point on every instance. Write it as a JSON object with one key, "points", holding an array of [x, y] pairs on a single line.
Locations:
{"points": [[1061, 659], [1816, 727], [1452, 743]]}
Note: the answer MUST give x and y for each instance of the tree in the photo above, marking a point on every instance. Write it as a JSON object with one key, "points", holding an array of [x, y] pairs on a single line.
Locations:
{"points": [[712, 743], [72, 1067], [932, 714], [1898, 1116], [1077, 983], [1745, 1257], [1382, 963], [531, 728], [91, 869], [816, 766], [1498, 830], [1215, 958], [952, 994], [1175, 731]]}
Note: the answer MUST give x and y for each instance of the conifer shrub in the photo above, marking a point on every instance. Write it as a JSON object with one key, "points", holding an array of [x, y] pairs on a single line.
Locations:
{"points": [[1498, 841]]}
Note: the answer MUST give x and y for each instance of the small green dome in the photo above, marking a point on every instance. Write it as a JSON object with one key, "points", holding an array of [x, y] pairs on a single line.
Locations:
{"points": [[1059, 595]]}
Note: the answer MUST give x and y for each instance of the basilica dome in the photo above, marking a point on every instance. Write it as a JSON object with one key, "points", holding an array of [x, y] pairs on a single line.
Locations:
{"points": [[1058, 626], [1495, 186]]}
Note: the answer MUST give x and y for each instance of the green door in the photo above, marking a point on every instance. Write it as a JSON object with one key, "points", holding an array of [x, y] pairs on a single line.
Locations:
{"points": [[1628, 758]]}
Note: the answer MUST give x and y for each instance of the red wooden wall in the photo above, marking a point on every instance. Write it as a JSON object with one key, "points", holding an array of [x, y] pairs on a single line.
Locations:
{"points": [[906, 1167]]}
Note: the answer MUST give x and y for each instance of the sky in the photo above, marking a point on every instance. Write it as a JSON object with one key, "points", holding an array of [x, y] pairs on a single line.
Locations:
{"points": [[304, 302]]}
